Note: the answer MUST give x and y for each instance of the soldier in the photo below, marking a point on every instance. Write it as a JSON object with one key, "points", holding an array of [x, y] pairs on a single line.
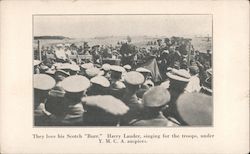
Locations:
{"points": [[133, 81], [195, 109], [84, 67], [147, 75], [194, 83], [71, 109], [178, 82], [99, 86], [154, 100], [36, 66], [42, 84]]}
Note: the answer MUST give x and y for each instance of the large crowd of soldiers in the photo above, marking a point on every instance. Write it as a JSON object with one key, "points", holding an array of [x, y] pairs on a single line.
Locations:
{"points": [[92, 93]]}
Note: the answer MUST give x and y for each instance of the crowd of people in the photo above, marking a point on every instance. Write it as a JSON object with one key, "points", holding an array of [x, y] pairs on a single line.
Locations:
{"points": [[90, 92]]}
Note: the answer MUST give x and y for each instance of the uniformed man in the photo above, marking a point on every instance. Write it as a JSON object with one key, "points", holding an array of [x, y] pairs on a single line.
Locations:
{"points": [[195, 109], [99, 86], [103, 110], [147, 75], [106, 69], [133, 81], [84, 67], [154, 100], [71, 109], [194, 83], [42, 84], [36, 66], [178, 82]]}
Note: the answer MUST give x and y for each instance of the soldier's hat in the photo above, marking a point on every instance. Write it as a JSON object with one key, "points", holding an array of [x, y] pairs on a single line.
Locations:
{"points": [[106, 67], [118, 85], [43, 82], [179, 75], [156, 97], [92, 72], [107, 103], [75, 83], [127, 67], [134, 78], [195, 108], [74, 67], [142, 70], [87, 65], [100, 80], [117, 68]]}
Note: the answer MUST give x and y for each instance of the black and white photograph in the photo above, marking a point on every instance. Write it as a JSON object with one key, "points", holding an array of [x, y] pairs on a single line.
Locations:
{"points": [[117, 70]]}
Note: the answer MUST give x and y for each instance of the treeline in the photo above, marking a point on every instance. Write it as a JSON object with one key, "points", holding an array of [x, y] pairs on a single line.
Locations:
{"points": [[50, 37]]}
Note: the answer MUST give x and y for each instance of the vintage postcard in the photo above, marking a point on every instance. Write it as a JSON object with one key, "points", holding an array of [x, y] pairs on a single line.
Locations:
{"points": [[124, 77]]}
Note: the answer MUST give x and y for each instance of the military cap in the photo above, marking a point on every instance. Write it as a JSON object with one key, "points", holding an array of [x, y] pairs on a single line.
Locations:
{"points": [[36, 62], [195, 108], [43, 82], [107, 103], [64, 66], [106, 67], [44, 67], [128, 67], [92, 72], [75, 83], [179, 75], [87, 65], [100, 80], [117, 68], [134, 78], [74, 67], [63, 72], [118, 85], [142, 70], [156, 97]]}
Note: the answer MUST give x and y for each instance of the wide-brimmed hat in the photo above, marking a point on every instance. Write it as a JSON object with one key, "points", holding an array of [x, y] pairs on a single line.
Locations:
{"points": [[128, 67], [118, 85], [134, 78], [117, 68], [106, 67], [195, 108], [156, 97], [179, 75], [100, 80], [107, 103], [87, 65], [75, 83], [43, 82], [92, 72], [142, 70]]}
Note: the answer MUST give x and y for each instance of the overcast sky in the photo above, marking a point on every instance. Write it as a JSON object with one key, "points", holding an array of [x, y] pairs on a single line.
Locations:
{"points": [[85, 26]]}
